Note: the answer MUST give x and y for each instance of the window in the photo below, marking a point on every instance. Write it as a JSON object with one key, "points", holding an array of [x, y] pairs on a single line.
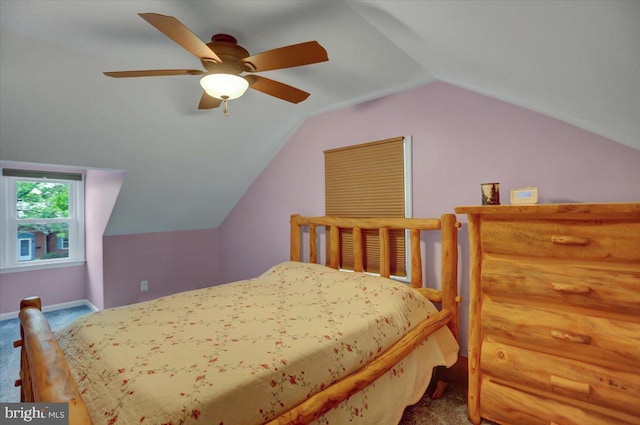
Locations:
{"points": [[25, 246], [370, 180], [63, 243], [42, 219]]}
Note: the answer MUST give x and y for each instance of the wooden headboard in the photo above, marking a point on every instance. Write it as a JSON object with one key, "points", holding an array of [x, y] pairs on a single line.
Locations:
{"points": [[446, 225]]}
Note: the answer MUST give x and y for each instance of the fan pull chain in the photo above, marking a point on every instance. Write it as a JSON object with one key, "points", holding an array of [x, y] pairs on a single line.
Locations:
{"points": [[226, 104]]}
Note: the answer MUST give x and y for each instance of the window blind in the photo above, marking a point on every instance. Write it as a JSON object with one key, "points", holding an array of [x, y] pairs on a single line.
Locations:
{"points": [[367, 180], [55, 175]]}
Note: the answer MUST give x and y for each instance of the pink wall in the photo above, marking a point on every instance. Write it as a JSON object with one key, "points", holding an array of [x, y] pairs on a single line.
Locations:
{"points": [[460, 139], [170, 261], [53, 286]]}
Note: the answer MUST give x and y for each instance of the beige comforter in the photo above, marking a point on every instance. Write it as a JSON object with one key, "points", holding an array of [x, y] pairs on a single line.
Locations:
{"points": [[245, 352]]}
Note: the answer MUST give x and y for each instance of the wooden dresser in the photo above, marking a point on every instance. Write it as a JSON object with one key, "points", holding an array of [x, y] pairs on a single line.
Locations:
{"points": [[554, 332]]}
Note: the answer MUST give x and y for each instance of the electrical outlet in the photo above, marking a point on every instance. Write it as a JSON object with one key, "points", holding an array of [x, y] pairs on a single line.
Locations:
{"points": [[144, 285]]}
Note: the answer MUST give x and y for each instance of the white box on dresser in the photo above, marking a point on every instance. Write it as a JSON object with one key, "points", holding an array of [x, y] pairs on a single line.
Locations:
{"points": [[554, 332]]}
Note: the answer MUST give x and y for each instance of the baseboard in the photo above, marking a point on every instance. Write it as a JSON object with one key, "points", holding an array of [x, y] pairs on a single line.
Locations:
{"points": [[54, 307]]}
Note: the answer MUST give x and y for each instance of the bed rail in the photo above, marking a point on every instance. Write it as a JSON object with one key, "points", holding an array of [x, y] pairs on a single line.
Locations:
{"points": [[322, 402]]}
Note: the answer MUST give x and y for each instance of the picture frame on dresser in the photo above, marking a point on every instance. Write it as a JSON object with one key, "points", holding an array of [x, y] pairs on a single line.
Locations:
{"points": [[554, 332]]}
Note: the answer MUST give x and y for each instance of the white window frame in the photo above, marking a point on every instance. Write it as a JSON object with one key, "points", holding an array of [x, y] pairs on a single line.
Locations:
{"points": [[9, 223], [408, 205]]}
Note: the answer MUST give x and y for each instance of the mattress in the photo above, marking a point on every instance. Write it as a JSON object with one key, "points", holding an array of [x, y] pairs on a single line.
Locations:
{"points": [[246, 352]]}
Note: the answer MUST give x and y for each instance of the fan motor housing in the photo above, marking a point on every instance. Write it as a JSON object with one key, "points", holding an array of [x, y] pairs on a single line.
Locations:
{"points": [[231, 53]]}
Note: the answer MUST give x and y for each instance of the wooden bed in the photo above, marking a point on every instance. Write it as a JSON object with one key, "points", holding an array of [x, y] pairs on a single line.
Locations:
{"points": [[45, 375]]}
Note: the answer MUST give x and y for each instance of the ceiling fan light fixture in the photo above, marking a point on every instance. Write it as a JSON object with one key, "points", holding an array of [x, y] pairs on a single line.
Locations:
{"points": [[224, 86]]}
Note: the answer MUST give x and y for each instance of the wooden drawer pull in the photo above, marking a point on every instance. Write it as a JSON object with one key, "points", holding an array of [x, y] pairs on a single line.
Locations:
{"points": [[568, 288], [571, 337], [570, 240], [567, 384]]}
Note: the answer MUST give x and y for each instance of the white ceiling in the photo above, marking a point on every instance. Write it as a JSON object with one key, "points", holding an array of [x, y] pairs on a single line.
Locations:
{"points": [[578, 61]]}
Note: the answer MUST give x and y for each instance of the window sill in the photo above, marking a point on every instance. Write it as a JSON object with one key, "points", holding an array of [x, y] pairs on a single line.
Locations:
{"points": [[42, 266]]}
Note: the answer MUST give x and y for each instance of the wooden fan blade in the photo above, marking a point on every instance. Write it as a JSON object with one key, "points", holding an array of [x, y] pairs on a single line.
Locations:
{"points": [[182, 35], [152, 73], [208, 102], [276, 89], [287, 57]]}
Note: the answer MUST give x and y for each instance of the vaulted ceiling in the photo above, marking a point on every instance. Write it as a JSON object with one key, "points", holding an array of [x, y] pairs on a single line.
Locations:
{"points": [[578, 61]]}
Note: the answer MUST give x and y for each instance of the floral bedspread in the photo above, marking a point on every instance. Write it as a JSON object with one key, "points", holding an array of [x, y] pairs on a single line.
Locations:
{"points": [[245, 352]]}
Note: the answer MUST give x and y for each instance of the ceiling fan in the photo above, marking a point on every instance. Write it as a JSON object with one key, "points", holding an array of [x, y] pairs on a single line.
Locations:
{"points": [[225, 61]]}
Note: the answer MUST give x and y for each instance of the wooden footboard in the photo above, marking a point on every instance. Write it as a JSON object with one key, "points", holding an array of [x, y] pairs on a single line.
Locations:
{"points": [[45, 375]]}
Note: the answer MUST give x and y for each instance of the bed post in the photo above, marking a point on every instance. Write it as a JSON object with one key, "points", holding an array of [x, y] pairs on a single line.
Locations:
{"points": [[44, 373], [449, 277], [449, 288], [26, 387]]}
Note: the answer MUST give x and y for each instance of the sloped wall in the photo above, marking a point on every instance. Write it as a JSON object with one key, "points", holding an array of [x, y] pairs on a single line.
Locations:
{"points": [[101, 191]]}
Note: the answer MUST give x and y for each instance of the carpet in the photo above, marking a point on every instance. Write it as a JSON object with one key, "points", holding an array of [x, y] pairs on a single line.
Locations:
{"points": [[451, 409]]}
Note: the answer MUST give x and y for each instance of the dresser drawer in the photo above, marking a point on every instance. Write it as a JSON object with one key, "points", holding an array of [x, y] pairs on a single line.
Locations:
{"points": [[564, 283], [507, 405], [564, 377], [605, 342], [588, 240]]}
